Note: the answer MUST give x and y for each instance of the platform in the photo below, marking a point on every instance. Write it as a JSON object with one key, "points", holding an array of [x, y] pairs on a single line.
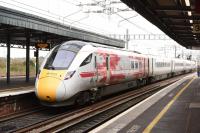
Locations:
{"points": [[174, 109], [17, 86]]}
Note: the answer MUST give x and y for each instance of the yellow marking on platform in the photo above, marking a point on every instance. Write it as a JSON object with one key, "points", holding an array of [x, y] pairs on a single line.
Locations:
{"points": [[165, 109]]}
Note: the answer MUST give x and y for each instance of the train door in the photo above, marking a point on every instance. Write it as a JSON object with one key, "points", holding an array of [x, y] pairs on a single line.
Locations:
{"points": [[108, 69], [101, 68], [172, 68], [150, 66], [144, 67], [102, 65], [95, 69]]}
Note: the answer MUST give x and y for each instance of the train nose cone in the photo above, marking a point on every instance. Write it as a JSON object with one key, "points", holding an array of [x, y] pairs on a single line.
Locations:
{"points": [[47, 89]]}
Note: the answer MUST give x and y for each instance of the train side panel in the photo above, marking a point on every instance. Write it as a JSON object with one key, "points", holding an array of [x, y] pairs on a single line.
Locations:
{"points": [[115, 67], [178, 66], [161, 66]]}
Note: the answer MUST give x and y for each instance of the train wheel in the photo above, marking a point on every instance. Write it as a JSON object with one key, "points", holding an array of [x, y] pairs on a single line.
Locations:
{"points": [[149, 80], [95, 94], [145, 81], [83, 98], [139, 83]]}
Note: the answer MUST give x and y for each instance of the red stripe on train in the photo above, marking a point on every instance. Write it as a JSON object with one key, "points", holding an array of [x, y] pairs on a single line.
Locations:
{"points": [[87, 74]]}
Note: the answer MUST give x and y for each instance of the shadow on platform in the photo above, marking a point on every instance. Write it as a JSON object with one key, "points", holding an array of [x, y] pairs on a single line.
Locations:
{"points": [[15, 82]]}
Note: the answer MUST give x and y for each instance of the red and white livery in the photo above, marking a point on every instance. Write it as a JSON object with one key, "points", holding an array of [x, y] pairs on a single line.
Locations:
{"points": [[78, 72]]}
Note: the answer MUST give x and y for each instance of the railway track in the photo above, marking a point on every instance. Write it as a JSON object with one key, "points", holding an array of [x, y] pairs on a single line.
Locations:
{"points": [[24, 119], [81, 119], [97, 113], [11, 116]]}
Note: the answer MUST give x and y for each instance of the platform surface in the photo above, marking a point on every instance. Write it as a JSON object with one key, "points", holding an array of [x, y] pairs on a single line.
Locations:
{"points": [[174, 109], [17, 86]]}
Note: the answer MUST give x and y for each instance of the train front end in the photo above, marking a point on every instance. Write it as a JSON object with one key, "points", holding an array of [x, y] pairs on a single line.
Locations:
{"points": [[50, 82]]}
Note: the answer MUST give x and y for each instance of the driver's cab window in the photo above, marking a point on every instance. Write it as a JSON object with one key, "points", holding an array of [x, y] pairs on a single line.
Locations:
{"points": [[87, 60]]}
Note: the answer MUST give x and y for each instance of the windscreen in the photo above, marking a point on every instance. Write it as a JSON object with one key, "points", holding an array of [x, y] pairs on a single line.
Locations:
{"points": [[61, 57]]}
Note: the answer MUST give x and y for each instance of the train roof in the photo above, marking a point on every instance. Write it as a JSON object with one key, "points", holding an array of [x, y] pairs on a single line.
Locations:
{"points": [[82, 43], [110, 47]]}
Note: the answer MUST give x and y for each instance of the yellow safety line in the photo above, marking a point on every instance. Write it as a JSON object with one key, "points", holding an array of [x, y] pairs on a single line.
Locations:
{"points": [[160, 115]]}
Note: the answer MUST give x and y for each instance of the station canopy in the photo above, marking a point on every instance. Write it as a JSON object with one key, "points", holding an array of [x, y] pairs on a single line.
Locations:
{"points": [[17, 27], [179, 19]]}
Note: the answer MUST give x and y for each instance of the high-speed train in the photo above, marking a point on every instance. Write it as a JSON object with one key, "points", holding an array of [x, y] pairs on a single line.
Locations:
{"points": [[79, 72]]}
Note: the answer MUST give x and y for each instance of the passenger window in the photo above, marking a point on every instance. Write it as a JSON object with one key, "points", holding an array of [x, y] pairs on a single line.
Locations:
{"points": [[132, 64], [107, 65], [95, 62], [136, 65], [87, 60]]}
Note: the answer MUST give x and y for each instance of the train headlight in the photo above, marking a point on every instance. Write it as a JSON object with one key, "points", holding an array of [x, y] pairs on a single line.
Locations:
{"points": [[69, 75]]}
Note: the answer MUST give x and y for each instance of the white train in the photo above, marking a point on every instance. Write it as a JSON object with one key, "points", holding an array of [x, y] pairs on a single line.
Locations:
{"points": [[78, 72]]}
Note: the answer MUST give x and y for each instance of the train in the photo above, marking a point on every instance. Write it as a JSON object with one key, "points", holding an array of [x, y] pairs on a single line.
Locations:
{"points": [[78, 72]]}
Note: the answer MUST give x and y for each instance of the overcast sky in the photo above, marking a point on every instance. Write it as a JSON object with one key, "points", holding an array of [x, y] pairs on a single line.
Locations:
{"points": [[76, 13]]}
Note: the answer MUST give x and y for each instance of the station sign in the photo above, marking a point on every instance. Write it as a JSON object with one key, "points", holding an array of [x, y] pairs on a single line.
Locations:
{"points": [[42, 45], [196, 28]]}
